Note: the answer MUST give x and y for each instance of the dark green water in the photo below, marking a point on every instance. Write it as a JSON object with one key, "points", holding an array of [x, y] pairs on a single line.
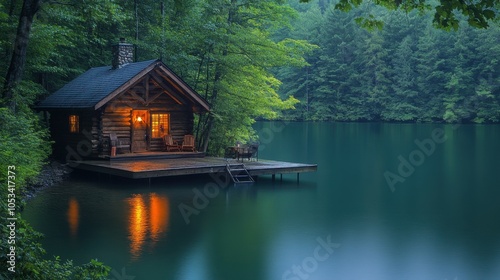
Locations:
{"points": [[440, 219]]}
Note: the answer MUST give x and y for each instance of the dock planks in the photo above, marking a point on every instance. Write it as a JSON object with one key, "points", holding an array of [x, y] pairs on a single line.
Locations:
{"points": [[150, 168]]}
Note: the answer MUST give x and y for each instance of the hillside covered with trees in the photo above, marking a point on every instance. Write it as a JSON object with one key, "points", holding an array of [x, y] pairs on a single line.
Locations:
{"points": [[223, 49], [408, 71]]}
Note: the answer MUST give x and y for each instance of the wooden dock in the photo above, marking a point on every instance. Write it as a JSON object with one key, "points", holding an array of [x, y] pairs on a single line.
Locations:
{"points": [[137, 168]]}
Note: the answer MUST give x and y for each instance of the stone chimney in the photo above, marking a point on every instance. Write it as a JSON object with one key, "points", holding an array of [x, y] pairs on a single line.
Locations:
{"points": [[123, 54]]}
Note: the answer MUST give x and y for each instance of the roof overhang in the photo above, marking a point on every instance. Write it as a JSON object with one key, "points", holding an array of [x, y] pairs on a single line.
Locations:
{"points": [[96, 87], [198, 103]]}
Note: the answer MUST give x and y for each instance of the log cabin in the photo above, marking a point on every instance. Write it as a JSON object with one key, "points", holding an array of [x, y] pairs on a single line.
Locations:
{"points": [[136, 102]]}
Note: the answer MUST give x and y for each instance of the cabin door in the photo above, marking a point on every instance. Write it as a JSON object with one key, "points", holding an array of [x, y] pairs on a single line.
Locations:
{"points": [[140, 123]]}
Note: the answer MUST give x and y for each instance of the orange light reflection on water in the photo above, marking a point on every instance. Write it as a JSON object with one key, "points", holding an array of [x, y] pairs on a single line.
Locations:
{"points": [[160, 214], [147, 221], [137, 224], [73, 216]]}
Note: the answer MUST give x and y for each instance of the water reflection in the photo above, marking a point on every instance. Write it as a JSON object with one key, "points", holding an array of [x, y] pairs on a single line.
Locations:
{"points": [[146, 220], [137, 224], [73, 216], [441, 223], [159, 212]]}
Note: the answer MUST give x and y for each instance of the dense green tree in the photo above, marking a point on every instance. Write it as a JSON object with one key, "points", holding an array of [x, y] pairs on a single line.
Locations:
{"points": [[23, 151], [298, 82], [238, 57], [485, 104], [17, 63], [336, 63], [373, 76], [238, 54], [429, 77], [408, 71], [460, 83], [478, 13], [225, 49]]}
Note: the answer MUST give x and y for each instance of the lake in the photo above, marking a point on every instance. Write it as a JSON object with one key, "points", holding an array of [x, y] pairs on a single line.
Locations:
{"points": [[389, 201]]}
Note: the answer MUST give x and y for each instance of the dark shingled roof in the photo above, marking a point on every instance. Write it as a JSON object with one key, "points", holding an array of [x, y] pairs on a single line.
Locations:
{"points": [[92, 86]]}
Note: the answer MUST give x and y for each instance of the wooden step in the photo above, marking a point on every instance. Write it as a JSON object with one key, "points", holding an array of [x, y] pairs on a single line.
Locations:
{"points": [[239, 169]]}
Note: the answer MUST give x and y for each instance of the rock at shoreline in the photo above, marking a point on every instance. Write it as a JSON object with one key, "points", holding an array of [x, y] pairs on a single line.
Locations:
{"points": [[51, 174]]}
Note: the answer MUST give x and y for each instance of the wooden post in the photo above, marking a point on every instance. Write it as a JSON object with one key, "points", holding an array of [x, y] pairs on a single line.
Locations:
{"points": [[273, 177], [298, 177]]}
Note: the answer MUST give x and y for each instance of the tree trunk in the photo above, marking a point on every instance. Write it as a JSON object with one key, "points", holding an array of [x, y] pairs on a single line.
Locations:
{"points": [[217, 77], [18, 60], [207, 132]]}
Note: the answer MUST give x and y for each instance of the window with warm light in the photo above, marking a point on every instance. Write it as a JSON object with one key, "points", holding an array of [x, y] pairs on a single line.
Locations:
{"points": [[74, 124], [159, 125]]}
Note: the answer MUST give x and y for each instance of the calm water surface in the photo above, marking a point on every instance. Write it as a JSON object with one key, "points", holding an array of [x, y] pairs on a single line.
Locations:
{"points": [[440, 219]]}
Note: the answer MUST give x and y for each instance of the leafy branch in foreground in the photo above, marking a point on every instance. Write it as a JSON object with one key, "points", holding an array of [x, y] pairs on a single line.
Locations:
{"points": [[409, 71], [478, 13]]}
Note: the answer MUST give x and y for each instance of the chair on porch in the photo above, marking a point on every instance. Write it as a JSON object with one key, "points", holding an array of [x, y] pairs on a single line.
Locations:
{"points": [[248, 151], [170, 144], [119, 143], [253, 149], [188, 143]]}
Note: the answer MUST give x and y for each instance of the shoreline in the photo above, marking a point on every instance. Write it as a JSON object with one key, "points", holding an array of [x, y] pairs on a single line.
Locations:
{"points": [[52, 174]]}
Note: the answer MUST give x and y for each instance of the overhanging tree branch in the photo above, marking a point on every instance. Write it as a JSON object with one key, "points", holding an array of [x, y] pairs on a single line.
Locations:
{"points": [[479, 13]]}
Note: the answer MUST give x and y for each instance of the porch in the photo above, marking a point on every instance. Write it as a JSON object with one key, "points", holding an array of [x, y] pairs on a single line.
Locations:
{"points": [[146, 167]]}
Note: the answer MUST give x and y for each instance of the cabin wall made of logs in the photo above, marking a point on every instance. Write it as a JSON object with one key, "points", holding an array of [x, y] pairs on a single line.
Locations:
{"points": [[78, 141], [91, 136], [117, 117]]}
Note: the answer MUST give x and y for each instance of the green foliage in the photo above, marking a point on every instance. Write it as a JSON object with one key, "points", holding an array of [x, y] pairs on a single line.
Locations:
{"points": [[24, 140], [239, 54], [408, 71], [225, 49], [478, 13], [231, 52], [30, 261], [25, 146]]}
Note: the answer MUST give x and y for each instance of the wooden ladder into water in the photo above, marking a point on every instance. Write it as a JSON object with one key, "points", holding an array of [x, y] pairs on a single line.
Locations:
{"points": [[239, 173]]}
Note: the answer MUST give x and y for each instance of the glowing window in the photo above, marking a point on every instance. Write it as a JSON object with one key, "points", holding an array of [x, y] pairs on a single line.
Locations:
{"points": [[159, 125], [74, 124]]}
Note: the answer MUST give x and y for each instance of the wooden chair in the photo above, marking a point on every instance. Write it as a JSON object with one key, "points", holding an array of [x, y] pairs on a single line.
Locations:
{"points": [[118, 143], [253, 149], [248, 151], [170, 143], [188, 143], [230, 152]]}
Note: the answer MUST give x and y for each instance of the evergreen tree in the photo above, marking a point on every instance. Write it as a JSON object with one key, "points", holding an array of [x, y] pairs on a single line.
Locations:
{"points": [[408, 71], [404, 89], [429, 77]]}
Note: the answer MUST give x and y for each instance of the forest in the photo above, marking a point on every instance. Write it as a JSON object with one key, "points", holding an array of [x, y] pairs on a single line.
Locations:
{"points": [[407, 71], [223, 49], [259, 59]]}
